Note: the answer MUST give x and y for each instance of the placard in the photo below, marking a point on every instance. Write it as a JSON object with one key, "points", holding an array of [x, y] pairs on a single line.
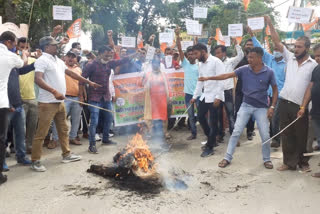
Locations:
{"points": [[128, 42], [235, 30], [9, 26], [150, 53], [193, 27], [200, 12], [256, 23], [24, 28], [165, 37], [299, 15], [186, 44], [62, 12], [227, 41], [168, 61]]}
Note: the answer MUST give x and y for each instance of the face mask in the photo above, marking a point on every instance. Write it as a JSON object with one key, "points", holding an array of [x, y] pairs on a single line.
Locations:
{"points": [[14, 50], [277, 54]]}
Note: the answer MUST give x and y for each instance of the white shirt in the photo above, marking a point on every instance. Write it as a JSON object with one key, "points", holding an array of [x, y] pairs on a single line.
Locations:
{"points": [[53, 69], [8, 61], [297, 77], [111, 86], [231, 64], [213, 89]]}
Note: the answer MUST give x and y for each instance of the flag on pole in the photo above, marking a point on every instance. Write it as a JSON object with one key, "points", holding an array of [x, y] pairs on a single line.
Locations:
{"points": [[246, 4], [307, 26], [268, 32], [219, 37], [267, 44], [140, 40], [239, 39], [74, 30]]}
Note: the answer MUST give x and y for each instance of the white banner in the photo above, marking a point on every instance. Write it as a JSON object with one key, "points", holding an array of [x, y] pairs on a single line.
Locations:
{"points": [[128, 42], [200, 12], [62, 12], [235, 30], [299, 15]]}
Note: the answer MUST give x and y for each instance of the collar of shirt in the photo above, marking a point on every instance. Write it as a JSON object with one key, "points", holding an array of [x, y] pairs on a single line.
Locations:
{"points": [[307, 60], [50, 56], [263, 69], [2, 46], [279, 62]]}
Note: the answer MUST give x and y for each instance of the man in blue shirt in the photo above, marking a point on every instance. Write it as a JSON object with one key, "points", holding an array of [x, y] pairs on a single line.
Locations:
{"points": [[191, 74], [278, 65], [256, 79]]}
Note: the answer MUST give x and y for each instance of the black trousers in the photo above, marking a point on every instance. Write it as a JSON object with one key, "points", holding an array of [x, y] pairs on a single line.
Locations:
{"points": [[211, 130], [4, 112], [294, 139], [250, 124]]}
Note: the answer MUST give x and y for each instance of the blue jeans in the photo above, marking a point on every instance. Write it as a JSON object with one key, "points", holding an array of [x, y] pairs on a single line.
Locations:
{"points": [[16, 118], [94, 119], [74, 110], [157, 129], [245, 112], [192, 118]]}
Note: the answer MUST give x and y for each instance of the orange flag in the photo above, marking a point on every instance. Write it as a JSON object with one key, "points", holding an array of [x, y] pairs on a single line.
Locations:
{"points": [[239, 39], [246, 4], [267, 44], [74, 30], [307, 26], [140, 40], [219, 37], [268, 32]]}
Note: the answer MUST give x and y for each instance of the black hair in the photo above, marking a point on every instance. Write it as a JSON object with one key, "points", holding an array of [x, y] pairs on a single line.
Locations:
{"points": [[200, 47], [22, 40], [7, 36], [307, 42], [248, 40], [257, 50], [75, 44], [316, 47], [167, 49], [143, 49], [103, 49], [189, 49], [223, 48]]}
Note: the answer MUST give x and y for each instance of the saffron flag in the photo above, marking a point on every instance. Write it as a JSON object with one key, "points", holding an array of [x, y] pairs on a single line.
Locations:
{"points": [[246, 4], [307, 26], [140, 40], [219, 37], [74, 30], [267, 44], [268, 32]]}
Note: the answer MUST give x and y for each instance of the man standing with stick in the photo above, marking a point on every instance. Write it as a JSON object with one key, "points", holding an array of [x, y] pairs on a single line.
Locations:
{"points": [[298, 75], [50, 77], [256, 79]]}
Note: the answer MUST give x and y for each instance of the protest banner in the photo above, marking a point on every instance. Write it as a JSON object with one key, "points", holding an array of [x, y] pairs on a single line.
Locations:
{"points": [[176, 87], [227, 41], [9, 26], [193, 27], [186, 44], [128, 42], [235, 30], [256, 23], [62, 13], [129, 104], [24, 29], [166, 37], [150, 53], [200, 12], [299, 15], [74, 30]]}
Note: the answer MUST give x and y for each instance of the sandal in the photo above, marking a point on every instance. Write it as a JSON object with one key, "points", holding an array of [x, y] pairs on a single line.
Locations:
{"points": [[316, 175], [224, 163], [268, 165], [283, 168]]}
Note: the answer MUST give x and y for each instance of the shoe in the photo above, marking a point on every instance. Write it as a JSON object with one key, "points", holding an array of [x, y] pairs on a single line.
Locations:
{"points": [[93, 150], [98, 138], [52, 144], [219, 139], [24, 161], [109, 142], [207, 152], [75, 142], [71, 158], [250, 137], [253, 133], [192, 137], [111, 134], [85, 135], [275, 144], [12, 150], [3, 178], [37, 166], [5, 168]]}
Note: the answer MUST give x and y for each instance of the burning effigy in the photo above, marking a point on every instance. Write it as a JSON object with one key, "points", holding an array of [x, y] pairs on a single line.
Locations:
{"points": [[133, 168]]}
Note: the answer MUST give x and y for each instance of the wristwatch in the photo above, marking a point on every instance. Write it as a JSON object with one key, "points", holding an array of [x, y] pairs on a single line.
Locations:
{"points": [[272, 107]]}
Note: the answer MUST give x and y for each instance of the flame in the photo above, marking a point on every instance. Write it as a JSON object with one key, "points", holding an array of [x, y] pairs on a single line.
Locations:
{"points": [[144, 159]]}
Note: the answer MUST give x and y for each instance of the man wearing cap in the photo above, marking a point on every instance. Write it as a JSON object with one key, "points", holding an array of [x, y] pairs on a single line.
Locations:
{"points": [[50, 77]]}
